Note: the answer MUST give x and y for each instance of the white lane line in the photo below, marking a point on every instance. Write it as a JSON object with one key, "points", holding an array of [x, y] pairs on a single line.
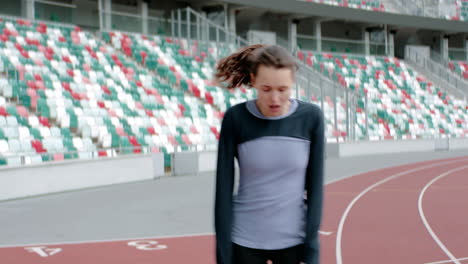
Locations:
{"points": [[339, 256], [325, 233], [424, 219], [445, 261], [104, 241]]}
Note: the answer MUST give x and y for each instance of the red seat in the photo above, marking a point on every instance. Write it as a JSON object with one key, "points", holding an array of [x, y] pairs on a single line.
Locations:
{"points": [[209, 98], [133, 140], [172, 140], [300, 55], [155, 150], [3, 111], [37, 145], [151, 130], [44, 121], [181, 107], [120, 131], [193, 129], [149, 113], [162, 122], [215, 131], [58, 156], [22, 111], [186, 139]]}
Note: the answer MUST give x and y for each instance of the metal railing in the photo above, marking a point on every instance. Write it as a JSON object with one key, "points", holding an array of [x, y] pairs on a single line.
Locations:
{"points": [[187, 24], [444, 9], [340, 45], [439, 70], [310, 81], [458, 54]]}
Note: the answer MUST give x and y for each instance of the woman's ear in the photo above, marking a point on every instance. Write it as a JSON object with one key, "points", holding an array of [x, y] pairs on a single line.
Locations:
{"points": [[252, 79]]}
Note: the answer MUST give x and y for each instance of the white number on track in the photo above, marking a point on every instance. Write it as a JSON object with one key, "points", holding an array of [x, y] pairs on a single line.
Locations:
{"points": [[147, 245], [43, 251]]}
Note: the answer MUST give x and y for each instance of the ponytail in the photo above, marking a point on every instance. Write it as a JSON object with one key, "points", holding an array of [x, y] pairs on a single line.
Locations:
{"points": [[236, 69]]}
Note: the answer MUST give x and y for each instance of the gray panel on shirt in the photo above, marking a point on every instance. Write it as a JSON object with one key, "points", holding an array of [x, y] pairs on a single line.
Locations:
{"points": [[269, 209]]}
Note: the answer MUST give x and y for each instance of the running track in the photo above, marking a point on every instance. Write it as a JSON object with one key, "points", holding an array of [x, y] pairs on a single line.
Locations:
{"points": [[415, 213]]}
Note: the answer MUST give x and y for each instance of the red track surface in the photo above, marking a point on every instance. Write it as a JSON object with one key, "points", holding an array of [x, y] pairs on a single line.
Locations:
{"points": [[368, 218]]}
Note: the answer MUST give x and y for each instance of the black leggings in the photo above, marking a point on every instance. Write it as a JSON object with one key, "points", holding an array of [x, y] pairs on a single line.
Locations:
{"points": [[244, 255]]}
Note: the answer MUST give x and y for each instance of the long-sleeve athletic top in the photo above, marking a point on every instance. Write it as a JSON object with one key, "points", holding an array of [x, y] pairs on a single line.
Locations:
{"points": [[279, 158]]}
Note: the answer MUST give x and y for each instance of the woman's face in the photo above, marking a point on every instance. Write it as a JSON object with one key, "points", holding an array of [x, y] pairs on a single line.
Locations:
{"points": [[273, 90]]}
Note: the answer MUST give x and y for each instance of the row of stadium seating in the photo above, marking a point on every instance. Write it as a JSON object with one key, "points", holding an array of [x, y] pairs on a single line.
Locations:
{"points": [[462, 10], [193, 67], [79, 95], [374, 5], [77, 82], [84, 86], [189, 67], [460, 7], [401, 102], [460, 67]]}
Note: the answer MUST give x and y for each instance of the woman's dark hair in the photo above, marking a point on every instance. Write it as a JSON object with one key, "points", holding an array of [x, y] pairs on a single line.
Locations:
{"points": [[235, 69]]}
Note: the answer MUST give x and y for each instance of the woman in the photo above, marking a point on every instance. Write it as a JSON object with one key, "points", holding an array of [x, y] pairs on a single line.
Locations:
{"points": [[278, 142]]}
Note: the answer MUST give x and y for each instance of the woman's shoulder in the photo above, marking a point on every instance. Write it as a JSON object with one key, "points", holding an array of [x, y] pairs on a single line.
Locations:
{"points": [[309, 108], [237, 109]]}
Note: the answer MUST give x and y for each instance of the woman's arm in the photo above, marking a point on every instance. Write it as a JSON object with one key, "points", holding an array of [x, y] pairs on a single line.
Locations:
{"points": [[224, 189], [314, 188]]}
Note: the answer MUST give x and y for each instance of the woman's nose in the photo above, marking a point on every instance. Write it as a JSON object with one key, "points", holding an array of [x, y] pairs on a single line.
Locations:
{"points": [[275, 96]]}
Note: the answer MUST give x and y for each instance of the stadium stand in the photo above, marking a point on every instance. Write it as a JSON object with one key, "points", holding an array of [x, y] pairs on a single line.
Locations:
{"points": [[462, 10], [374, 5], [460, 67], [459, 7], [69, 93], [72, 79], [401, 102], [192, 68]]}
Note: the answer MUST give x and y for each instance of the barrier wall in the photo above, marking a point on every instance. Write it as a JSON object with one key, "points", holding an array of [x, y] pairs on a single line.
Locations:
{"points": [[459, 143], [72, 175], [54, 177], [383, 147], [192, 162]]}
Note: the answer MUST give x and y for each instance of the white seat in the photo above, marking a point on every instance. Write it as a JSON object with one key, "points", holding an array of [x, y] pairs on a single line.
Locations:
{"points": [[14, 160], [2, 121], [48, 144], [45, 132], [58, 144], [88, 144], [26, 145], [4, 146], [149, 140], [55, 132], [11, 132], [65, 121], [33, 121], [12, 121], [7, 90], [24, 132], [78, 143], [85, 155], [107, 141], [86, 131], [14, 145], [95, 131], [34, 159]]}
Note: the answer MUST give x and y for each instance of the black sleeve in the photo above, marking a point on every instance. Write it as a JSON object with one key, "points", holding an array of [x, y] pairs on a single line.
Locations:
{"points": [[314, 188], [224, 189]]}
